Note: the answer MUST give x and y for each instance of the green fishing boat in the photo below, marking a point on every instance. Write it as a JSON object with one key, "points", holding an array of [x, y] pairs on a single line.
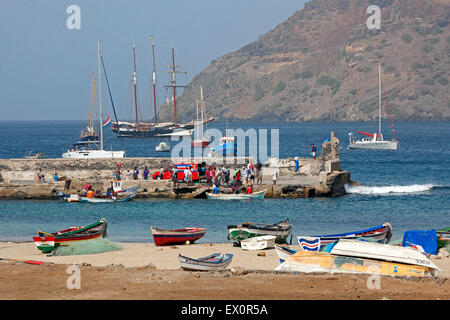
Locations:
{"points": [[280, 230], [443, 236]]}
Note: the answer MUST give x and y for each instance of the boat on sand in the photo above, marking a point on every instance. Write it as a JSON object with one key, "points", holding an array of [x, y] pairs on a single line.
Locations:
{"points": [[214, 261], [317, 261], [258, 243], [280, 230], [381, 234], [47, 242], [443, 236], [379, 251], [178, 236]]}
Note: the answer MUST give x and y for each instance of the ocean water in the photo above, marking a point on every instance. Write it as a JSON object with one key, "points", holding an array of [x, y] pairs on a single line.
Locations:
{"points": [[410, 187]]}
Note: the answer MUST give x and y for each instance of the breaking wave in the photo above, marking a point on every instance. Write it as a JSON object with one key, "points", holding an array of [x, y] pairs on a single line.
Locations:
{"points": [[415, 188]]}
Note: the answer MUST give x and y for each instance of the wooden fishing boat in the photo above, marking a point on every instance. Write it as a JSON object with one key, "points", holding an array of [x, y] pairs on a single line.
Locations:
{"points": [[280, 230], [47, 242], [284, 252], [258, 243], [121, 196], [167, 237], [381, 234], [236, 196], [443, 236], [379, 251], [212, 262], [316, 261]]}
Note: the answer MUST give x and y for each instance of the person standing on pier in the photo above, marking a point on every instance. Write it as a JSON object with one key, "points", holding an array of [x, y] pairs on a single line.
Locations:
{"points": [[208, 177], [135, 173], [145, 173], [275, 175], [174, 178], [313, 150]]}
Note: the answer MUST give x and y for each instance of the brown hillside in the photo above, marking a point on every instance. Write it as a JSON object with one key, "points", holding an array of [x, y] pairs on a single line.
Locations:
{"points": [[322, 64]]}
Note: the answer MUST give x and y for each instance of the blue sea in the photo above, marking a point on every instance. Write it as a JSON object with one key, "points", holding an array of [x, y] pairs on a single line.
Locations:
{"points": [[410, 187]]}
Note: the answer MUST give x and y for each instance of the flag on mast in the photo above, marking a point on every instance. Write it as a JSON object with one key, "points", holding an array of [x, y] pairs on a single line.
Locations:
{"points": [[107, 122]]}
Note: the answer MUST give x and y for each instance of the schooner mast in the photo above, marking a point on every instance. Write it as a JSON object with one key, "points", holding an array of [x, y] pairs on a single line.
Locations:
{"points": [[154, 80], [173, 85], [134, 84]]}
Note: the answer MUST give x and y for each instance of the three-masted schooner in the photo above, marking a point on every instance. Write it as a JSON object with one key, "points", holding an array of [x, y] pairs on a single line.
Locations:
{"points": [[139, 129]]}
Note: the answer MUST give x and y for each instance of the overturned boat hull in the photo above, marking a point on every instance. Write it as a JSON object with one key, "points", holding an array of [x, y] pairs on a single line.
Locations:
{"points": [[318, 262]]}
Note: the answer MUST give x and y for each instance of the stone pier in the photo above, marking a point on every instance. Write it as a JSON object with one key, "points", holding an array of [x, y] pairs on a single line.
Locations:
{"points": [[322, 176]]}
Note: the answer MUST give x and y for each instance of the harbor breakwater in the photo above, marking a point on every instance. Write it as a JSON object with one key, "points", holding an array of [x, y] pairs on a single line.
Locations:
{"points": [[308, 177]]}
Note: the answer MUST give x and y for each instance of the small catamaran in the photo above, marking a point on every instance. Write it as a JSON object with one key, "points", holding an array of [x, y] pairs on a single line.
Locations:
{"points": [[375, 140]]}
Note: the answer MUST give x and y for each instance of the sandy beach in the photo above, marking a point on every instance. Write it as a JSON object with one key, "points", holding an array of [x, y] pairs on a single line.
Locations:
{"points": [[144, 271]]}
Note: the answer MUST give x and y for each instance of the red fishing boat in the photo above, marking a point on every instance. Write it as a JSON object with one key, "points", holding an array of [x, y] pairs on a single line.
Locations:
{"points": [[167, 237]]}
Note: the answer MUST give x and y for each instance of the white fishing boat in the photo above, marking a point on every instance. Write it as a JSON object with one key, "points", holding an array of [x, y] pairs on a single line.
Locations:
{"points": [[375, 141], [284, 252], [163, 146], [258, 243], [236, 196], [379, 251], [216, 261], [90, 146]]}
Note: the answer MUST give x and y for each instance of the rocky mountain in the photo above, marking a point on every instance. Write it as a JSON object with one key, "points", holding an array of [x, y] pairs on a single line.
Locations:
{"points": [[321, 64]]}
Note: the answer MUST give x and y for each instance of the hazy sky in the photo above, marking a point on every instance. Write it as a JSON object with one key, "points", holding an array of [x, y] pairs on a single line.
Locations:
{"points": [[45, 67]]}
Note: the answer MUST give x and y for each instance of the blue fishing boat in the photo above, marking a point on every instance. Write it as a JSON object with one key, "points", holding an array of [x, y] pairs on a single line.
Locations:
{"points": [[380, 234]]}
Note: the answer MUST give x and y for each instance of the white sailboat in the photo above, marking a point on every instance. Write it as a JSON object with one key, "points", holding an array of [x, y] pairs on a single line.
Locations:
{"points": [[374, 141], [89, 147], [200, 141]]}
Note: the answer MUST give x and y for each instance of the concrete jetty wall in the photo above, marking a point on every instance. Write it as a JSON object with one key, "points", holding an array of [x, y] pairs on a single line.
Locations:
{"points": [[314, 177]]}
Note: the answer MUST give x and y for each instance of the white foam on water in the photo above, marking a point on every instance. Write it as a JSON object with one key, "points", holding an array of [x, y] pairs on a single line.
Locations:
{"points": [[414, 188]]}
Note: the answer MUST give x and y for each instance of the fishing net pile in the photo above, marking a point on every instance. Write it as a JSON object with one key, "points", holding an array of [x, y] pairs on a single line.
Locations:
{"points": [[93, 246]]}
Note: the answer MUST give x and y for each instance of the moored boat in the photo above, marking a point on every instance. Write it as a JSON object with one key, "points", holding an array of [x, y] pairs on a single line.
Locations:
{"points": [[214, 261], [381, 234], [280, 230], [167, 237], [236, 196], [258, 243], [47, 242], [379, 251], [316, 261], [120, 196]]}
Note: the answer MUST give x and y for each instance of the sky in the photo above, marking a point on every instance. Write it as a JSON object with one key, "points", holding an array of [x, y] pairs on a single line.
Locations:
{"points": [[45, 67]]}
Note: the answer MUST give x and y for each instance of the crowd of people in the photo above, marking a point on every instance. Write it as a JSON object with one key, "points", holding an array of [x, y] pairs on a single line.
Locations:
{"points": [[244, 179]]}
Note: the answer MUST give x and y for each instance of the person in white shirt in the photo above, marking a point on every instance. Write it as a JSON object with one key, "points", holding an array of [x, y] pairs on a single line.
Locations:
{"points": [[275, 175]]}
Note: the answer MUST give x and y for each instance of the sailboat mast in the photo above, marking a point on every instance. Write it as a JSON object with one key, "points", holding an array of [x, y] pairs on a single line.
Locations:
{"points": [[379, 99], [134, 83], [92, 114], [202, 109], [100, 96], [154, 81], [174, 84]]}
